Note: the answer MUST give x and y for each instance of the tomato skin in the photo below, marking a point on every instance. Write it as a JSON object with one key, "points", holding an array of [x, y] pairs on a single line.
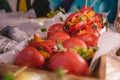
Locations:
{"points": [[72, 42], [59, 36], [89, 38], [55, 28], [68, 60], [96, 32], [30, 57]]}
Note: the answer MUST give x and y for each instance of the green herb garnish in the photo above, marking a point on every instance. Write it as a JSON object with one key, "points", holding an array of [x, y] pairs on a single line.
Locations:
{"points": [[75, 9], [62, 10], [9, 76], [94, 26], [82, 18], [85, 53], [107, 23], [60, 73], [43, 30], [60, 46], [102, 19], [61, 19]]}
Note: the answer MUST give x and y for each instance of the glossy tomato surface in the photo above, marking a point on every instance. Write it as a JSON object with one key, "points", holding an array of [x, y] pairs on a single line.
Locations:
{"points": [[70, 61], [55, 28], [89, 38], [30, 57], [73, 42], [59, 36]]}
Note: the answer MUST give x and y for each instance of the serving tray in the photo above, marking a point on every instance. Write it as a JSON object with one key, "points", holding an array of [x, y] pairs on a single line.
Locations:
{"points": [[97, 74]]}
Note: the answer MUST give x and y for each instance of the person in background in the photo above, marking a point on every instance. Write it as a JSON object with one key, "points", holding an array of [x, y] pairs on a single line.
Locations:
{"points": [[4, 5], [99, 6], [40, 7]]}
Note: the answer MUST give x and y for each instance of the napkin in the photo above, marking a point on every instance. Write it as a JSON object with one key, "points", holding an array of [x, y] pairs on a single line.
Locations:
{"points": [[109, 41]]}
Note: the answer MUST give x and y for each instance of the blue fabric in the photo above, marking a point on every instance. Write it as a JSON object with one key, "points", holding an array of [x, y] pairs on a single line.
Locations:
{"points": [[101, 6]]}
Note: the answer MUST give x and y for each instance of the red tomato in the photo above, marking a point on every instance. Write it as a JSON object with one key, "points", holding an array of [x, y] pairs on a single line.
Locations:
{"points": [[59, 36], [72, 42], [95, 32], [89, 38], [30, 57], [70, 61], [55, 28]]}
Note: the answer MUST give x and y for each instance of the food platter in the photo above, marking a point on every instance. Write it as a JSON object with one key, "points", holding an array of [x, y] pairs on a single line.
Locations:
{"points": [[99, 72]]}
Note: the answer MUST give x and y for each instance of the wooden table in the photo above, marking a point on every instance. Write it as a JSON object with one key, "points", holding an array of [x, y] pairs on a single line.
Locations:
{"points": [[98, 74]]}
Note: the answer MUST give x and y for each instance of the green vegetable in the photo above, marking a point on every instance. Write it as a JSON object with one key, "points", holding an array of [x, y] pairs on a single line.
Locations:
{"points": [[107, 23], [60, 46], [9, 76], [75, 9], [85, 53], [82, 18], [61, 19], [60, 73], [52, 13], [102, 19], [62, 10], [94, 26], [43, 30]]}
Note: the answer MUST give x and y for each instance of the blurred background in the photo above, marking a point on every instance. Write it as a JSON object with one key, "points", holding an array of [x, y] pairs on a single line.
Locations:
{"points": [[49, 8]]}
